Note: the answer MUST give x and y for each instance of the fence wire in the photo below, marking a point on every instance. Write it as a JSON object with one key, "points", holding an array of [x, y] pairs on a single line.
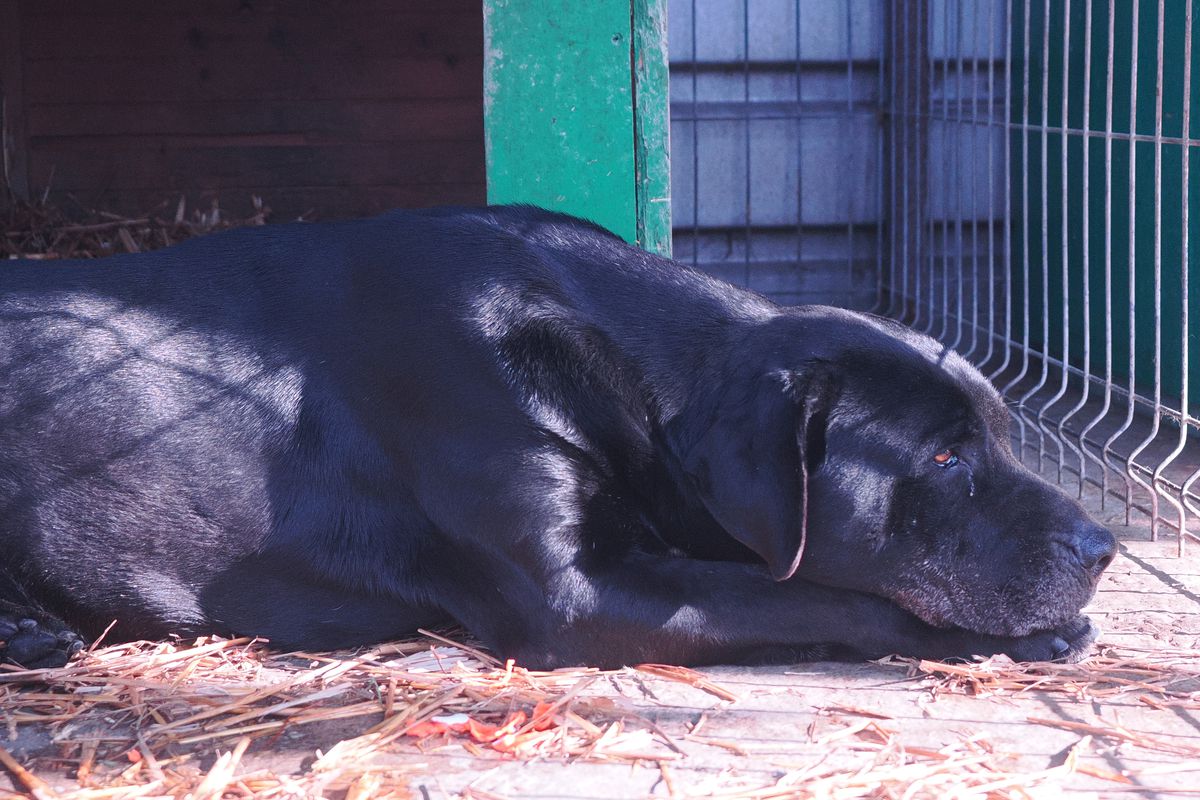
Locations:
{"points": [[1080, 292], [1010, 176]]}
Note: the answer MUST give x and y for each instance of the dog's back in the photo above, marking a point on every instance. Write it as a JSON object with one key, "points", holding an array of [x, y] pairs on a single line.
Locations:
{"points": [[283, 390]]}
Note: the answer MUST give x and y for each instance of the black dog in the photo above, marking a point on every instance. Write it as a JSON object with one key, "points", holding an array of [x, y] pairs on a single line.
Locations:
{"points": [[332, 434]]}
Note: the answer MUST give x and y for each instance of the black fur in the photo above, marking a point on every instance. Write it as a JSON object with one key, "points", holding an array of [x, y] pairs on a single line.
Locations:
{"points": [[331, 434]]}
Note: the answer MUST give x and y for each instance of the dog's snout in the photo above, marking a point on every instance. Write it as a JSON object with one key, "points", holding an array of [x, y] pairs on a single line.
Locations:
{"points": [[1095, 546]]}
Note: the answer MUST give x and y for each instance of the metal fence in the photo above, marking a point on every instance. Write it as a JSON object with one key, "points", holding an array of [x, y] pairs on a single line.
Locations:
{"points": [[1010, 176], [767, 98]]}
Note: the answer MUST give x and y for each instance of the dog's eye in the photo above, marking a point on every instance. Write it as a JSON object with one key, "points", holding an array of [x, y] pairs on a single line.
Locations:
{"points": [[946, 458]]}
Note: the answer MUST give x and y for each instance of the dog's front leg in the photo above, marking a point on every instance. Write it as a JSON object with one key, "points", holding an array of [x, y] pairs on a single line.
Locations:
{"points": [[688, 611], [32, 638]]}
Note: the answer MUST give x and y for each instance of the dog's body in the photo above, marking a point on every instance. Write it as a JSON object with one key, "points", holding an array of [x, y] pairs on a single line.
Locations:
{"points": [[332, 434]]}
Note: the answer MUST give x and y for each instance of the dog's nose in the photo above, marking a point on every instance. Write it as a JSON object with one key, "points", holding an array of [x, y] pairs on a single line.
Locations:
{"points": [[1095, 546]]}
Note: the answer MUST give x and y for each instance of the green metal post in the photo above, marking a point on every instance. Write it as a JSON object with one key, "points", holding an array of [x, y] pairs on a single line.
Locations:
{"points": [[575, 111], [652, 125]]}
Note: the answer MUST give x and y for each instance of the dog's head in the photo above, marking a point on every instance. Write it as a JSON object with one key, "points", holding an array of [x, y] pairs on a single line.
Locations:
{"points": [[880, 460]]}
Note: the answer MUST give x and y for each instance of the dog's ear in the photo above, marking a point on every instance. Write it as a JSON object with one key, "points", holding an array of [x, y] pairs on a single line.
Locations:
{"points": [[748, 455]]}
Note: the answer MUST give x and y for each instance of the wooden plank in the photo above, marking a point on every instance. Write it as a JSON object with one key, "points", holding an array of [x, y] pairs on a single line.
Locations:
{"points": [[14, 166], [93, 32], [558, 108], [133, 9], [132, 102], [315, 202], [652, 125], [126, 164], [317, 121], [255, 77]]}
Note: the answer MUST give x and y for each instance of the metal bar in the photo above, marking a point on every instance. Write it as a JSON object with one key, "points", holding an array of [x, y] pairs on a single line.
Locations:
{"points": [[746, 99], [1157, 363], [973, 161], [1066, 256], [695, 150], [1086, 255], [1006, 131], [958, 178], [1147, 138], [924, 112], [1100, 460], [991, 189], [894, 251], [921, 54], [781, 65], [937, 62], [901, 64], [947, 183], [770, 109], [1015, 412], [1184, 377], [1022, 407], [799, 121], [879, 307], [916, 145], [846, 149], [915, 63], [1106, 451]]}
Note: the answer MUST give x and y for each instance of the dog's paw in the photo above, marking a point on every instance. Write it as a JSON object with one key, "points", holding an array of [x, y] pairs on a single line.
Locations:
{"points": [[36, 643], [1067, 643]]}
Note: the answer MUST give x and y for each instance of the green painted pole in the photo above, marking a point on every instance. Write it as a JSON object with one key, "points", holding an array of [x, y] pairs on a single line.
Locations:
{"points": [[652, 125], [575, 111]]}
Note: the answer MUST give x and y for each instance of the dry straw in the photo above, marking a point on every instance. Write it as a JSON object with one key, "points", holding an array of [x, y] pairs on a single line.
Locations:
{"points": [[42, 230], [133, 720], [138, 720]]}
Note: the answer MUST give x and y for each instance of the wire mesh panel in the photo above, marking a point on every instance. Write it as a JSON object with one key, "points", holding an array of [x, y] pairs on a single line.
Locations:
{"points": [[1012, 177], [1099, 321], [777, 140]]}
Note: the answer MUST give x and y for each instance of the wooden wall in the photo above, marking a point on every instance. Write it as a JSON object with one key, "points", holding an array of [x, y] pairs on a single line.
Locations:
{"points": [[345, 108]]}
